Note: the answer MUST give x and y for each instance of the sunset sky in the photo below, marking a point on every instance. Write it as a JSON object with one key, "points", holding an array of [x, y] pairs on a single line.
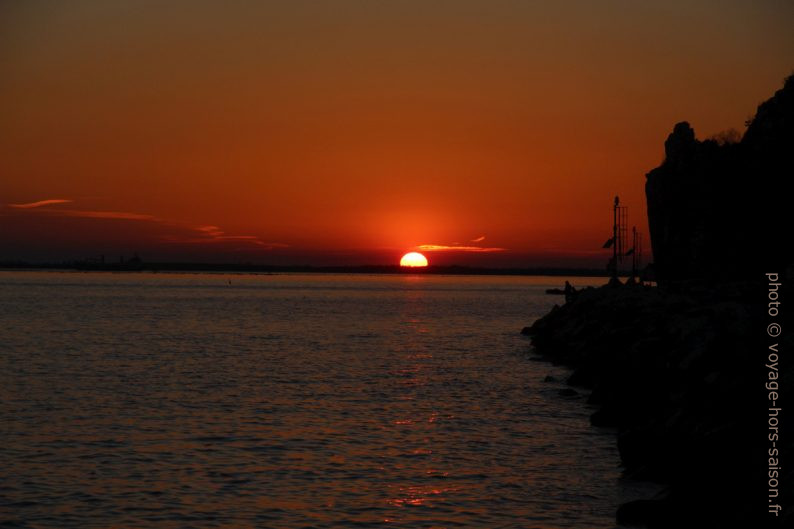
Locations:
{"points": [[351, 132]]}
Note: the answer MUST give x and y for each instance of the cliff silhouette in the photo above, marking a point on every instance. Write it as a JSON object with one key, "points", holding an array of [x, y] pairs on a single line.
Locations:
{"points": [[715, 207], [679, 370]]}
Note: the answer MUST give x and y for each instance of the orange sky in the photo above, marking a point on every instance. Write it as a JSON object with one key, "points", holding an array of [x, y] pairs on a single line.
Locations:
{"points": [[350, 132]]}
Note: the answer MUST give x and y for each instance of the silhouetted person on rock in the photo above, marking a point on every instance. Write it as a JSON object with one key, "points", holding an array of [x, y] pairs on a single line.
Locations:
{"points": [[570, 292]]}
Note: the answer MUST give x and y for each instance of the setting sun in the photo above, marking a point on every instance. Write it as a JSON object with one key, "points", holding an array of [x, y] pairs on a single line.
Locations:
{"points": [[413, 260]]}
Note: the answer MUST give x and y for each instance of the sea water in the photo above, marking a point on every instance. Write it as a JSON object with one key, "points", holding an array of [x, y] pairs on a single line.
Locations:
{"points": [[290, 401]]}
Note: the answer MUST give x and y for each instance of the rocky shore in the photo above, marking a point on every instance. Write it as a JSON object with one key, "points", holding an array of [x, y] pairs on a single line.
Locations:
{"points": [[682, 370], [680, 374]]}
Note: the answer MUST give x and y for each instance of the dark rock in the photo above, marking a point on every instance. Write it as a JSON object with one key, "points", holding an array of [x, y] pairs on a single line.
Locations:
{"points": [[672, 372], [568, 392], [604, 418], [638, 512], [714, 208]]}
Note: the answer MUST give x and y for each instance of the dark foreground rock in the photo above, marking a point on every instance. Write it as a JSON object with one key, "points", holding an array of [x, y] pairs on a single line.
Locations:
{"points": [[681, 376]]}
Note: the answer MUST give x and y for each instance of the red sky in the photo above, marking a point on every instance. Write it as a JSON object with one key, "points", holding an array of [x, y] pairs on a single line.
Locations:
{"points": [[351, 132]]}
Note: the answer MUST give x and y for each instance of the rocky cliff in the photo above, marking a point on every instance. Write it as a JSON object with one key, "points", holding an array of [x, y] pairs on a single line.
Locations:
{"points": [[716, 210], [679, 369]]}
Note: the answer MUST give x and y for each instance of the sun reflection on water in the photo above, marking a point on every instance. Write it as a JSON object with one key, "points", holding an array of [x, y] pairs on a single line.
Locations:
{"points": [[416, 495]]}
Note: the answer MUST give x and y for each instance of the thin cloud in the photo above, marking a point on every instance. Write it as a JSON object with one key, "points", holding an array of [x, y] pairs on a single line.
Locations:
{"points": [[196, 235], [125, 215], [214, 234], [458, 247], [66, 212], [212, 231], [41, 203], [445, 248]]}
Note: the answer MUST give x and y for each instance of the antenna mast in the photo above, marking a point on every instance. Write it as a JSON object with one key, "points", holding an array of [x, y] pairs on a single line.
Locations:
{"points": [[620, 217]]}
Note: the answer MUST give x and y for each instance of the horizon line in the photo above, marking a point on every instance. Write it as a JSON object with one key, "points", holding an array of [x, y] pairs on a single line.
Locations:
{"points": [[175, 266]]}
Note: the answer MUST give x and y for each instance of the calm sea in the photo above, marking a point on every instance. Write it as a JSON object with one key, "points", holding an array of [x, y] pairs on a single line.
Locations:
{"points": [[290, 401]]}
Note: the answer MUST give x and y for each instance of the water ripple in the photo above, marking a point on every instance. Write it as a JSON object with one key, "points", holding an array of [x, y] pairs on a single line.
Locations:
{"points": [[164, 401]]}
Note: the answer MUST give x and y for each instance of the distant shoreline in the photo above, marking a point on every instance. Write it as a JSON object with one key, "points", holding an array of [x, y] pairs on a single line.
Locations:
{"points": [[274, 269]]}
